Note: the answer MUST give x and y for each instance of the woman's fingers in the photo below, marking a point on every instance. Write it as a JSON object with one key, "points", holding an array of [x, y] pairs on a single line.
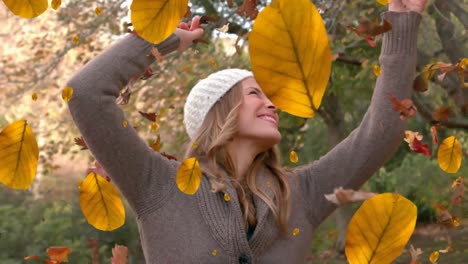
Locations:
{"points": [[195, 23], [183, 25]]}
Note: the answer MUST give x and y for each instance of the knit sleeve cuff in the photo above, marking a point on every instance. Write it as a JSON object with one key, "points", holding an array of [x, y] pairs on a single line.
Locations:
{"points": [[168, 45], [402, 38]]}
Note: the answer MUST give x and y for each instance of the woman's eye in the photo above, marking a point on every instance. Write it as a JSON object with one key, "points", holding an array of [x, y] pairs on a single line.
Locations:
{"points": [[253, 92]]}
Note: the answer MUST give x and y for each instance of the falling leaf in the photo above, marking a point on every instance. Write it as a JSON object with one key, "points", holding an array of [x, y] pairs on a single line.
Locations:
{"points": [[414, 142], [223, 29], [435, 139], [55, 4], [302, 32], [59, 254], [293, 156], [213, 63], [147, 73], [227, 198], [76, 40], [156, 146], [237, 46], [383, 2], [100, 203], [214, 252], [154, 127], [67, 94], [377, 70], [168, 156], [98, 11], [80, 142], [463, 63], [369, 29], [189, 176], [156, 20], [19, 154], [458, 187], [268, 184], [381, 238], [34, 96], [195, 145], [342, 196], [448, 248], [443, 113], [119, 255], [248, 9], [415, 254], [449, 155], [434, 257], [27, 8], [443, 216], [150, 116], [456, 222], [124, 123], [295, 231], [156, 54], [405, 107]]}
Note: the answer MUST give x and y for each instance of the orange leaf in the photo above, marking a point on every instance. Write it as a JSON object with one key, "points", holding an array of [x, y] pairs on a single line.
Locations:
{"points": [[435, 140], [443, 216], [443, 113], [458, 191], [405, 107], [150, 116], [59, 254]]}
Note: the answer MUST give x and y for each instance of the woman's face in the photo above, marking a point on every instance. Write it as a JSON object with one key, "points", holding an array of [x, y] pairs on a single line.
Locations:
{"points": [[258, 117]]}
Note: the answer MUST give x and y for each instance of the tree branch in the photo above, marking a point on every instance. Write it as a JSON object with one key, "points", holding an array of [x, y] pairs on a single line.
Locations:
{"points": [[426, 114]]}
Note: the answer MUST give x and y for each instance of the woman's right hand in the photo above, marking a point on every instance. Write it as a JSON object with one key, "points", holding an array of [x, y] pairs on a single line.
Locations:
{"points": [[188, 32]]}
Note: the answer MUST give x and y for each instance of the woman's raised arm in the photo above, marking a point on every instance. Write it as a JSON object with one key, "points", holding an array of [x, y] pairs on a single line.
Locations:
{"points": [[138, 171], [356, 158]]}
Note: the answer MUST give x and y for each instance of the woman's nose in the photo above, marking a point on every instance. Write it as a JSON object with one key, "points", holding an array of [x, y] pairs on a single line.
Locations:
{"points": [[270, 105]]}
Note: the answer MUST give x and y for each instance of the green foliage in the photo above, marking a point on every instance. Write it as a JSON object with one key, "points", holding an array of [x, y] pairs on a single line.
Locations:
{"points": [[33, 225]]}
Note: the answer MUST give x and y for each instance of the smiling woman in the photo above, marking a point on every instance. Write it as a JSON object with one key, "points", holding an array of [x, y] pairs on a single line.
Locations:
{"points": [[247, 208]]}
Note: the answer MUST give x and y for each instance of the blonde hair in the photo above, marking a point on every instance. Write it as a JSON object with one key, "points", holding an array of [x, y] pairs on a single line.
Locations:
{"points": [[210, 141]]}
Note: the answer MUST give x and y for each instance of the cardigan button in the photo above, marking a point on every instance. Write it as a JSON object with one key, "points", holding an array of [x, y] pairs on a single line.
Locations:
{"points": [[244, 259]]}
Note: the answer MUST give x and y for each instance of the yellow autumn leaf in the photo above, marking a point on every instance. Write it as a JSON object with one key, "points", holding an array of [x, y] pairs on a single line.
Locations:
{"points": [[18, 155], [156, 145], [189, 176], [434, 257], [100, 203], [156, 20], [380, 229], [376, 69], [295, 231], [76, 40], [27, 8], [55, 4], [463, 63], [449, 155], [293, 156], [67, 94], [290, 55], [98, 11], [34, 96], [383, 2], [154, 126]]}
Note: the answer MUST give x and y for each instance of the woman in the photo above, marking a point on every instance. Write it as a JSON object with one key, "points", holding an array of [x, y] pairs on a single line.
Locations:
{"points": [[247, 209]]}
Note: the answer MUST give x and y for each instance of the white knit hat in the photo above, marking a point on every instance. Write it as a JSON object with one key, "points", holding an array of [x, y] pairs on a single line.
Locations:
{"points": [[206, 93]]}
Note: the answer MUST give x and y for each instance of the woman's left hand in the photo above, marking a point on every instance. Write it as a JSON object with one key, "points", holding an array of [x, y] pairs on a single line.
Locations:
{"points": [[188, 32]]}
